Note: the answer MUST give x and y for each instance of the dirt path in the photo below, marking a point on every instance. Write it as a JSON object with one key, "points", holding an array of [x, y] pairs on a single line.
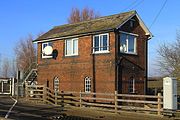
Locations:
{"points": [[30, 110], [101, 115]]}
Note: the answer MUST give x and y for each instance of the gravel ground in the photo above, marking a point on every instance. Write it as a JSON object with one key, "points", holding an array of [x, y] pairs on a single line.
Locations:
{"points": [[98, 114], [86, 113]]}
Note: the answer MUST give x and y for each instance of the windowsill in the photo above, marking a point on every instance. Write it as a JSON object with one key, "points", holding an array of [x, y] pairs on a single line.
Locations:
{"points": [[47, 57], [87, 92], [101, 52], [71, 55], [128, 53], [132, 92]]}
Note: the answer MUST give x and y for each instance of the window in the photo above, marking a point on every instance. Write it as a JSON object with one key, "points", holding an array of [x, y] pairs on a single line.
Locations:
{"points": [[56, 84], [101, 43], [87, 85], [127, 43], [71, 47], [43, 46], [131, 87]]}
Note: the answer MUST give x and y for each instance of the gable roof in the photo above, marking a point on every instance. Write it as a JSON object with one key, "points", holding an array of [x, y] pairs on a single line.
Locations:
{"points": [[107, 23]]}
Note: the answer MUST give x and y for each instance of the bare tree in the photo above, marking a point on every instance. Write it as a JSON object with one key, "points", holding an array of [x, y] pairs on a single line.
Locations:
{"points": [[169, 58], [25, 52], [5, 71], [13, 70], [82, 15]]}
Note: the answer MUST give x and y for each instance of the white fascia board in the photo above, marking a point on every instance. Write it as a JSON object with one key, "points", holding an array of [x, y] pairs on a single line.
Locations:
{"points": [[72, 36], [144, 27]]}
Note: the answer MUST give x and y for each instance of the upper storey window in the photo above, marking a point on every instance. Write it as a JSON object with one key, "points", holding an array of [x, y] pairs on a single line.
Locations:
{"points": [[71, 47], [43, 52], [101, 43], [127, 43]]}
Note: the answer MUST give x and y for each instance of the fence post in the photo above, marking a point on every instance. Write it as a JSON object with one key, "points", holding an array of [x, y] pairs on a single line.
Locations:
{"points": [[62, 99], [26, 91], [115, 101], [159, 104], [44, 93], [55, 97], [80, 98]]}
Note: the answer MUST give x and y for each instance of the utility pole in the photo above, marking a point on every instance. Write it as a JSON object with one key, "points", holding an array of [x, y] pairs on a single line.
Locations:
{"points": [[17, 84]]}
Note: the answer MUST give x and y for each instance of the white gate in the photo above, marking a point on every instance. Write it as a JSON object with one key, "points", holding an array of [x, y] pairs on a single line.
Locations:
{"points": [[5, 86]]}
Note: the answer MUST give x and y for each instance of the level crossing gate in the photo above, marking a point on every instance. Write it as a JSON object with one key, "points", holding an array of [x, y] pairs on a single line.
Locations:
{"points": [[5, 86]]}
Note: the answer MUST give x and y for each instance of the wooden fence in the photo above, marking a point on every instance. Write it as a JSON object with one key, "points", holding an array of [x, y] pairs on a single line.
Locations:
{"points": [[113, 101]]}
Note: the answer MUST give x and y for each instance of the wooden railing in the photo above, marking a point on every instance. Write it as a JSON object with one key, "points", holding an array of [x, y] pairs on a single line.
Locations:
{"points": [[113, 101]]}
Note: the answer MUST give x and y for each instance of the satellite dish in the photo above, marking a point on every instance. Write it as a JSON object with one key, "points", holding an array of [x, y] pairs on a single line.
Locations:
{"points": [[48, 50]]}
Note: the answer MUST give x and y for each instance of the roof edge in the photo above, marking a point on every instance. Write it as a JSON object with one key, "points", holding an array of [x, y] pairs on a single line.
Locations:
{"points": [[132, 14], [133, 11], [147, 31], [145, 28], [70, 36]]}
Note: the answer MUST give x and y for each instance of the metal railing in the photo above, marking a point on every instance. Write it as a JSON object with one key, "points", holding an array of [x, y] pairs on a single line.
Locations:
{"points": [[32, 66]]}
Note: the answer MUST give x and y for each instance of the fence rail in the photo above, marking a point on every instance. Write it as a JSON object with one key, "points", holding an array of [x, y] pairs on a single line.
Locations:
{"points": [[113, 101]]}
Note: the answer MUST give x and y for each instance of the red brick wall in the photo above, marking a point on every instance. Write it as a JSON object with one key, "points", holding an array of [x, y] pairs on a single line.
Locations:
{"points": [[100, 67], [72, 70], [137, 60]]}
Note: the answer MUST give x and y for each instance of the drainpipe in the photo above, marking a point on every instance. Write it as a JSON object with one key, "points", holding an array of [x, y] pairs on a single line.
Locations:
{"points": [[117, 53], [146, 66], [93, 68]]}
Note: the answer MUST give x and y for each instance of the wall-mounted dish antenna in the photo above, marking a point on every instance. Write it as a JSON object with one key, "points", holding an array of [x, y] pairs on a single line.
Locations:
{"points": [[48, 50]]}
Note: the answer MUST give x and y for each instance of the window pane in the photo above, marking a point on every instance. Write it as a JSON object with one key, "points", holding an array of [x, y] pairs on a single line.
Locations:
{"points": [[87, 84], [131, 85], [44, 45], [123, 45], [96, 43], [50, 43], [131, 43], [68, 47], [104, 42], [101, 43], [75, 46]]}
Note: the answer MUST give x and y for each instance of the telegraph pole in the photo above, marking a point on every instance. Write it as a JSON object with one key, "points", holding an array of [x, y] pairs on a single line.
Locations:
{"points": [[17, 77]]}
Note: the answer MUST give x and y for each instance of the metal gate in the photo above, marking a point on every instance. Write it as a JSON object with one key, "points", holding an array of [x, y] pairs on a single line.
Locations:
{"points": [[5, 86]]}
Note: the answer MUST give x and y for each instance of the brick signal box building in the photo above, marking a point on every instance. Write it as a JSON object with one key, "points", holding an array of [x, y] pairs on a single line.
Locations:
{"points": [[102, 55]]}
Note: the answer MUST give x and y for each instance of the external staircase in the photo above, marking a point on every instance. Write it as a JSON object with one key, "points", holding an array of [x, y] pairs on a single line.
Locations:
{"points": [[31, 74]]}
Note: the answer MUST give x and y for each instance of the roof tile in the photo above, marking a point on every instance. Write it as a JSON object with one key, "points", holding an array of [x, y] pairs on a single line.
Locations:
{"points": [[99, 24]]}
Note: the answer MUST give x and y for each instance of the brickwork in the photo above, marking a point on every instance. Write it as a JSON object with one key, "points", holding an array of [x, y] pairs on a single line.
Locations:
{"points": [[137, 65], [101, 68], [73, 69]]}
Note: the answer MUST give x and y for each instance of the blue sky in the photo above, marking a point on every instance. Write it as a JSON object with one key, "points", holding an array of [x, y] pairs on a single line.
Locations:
{"points": [[18, 18]]}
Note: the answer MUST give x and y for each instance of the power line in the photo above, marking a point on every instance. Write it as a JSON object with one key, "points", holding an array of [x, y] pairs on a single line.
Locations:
{"points": [[155, 19], [133, 5], [137, 4], [130, 5]]}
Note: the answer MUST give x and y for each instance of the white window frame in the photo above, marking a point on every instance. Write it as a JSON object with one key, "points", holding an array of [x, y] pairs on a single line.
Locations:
{"points": [[101, 51], [72, 47], [56, 84], [131, 87], [87, 84], [127, 46], [45, 56]]}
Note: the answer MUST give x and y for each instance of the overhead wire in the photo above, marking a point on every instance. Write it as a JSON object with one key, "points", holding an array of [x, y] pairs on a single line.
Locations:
{"points": [[129, 6], [156, 17], [140, 2]]}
